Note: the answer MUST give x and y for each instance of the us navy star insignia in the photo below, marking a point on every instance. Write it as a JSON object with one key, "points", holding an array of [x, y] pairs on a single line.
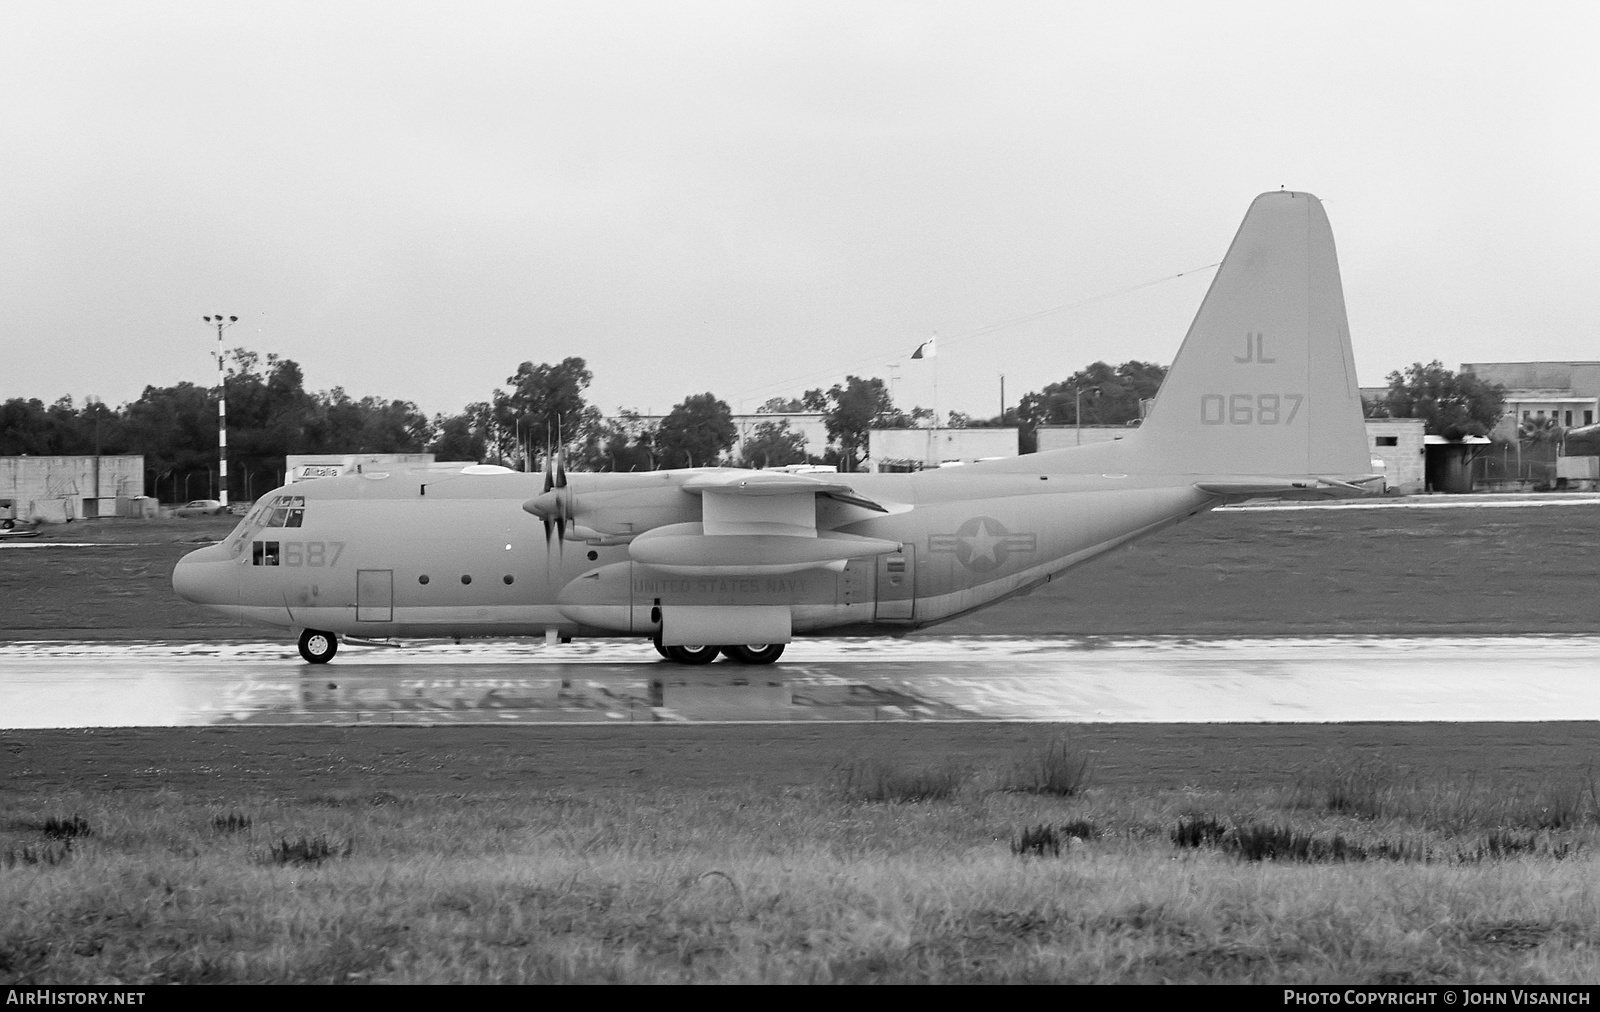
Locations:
{"points": [[982, 544]]}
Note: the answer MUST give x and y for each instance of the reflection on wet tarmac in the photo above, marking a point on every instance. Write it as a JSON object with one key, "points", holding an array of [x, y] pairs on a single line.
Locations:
{"points": [[381, 695], [66, 684]]}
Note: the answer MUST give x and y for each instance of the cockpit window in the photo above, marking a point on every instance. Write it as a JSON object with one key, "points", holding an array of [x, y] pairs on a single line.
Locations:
{"points": [[274, 511], [287, 511], [284, 517], [235, 540]]}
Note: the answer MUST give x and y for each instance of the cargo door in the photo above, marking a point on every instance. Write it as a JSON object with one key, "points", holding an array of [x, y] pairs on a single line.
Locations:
{"points": [[897, 586], [374, 595]]}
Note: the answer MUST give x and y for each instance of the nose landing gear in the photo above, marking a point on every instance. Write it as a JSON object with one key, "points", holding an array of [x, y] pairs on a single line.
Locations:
{"points": [[318, 647]]}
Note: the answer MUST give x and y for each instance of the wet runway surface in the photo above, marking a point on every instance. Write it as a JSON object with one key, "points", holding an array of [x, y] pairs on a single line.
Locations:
{"points": [[1530, 678]]}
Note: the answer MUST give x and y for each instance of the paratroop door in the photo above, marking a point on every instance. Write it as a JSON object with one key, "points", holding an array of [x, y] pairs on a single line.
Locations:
{"points": [[374, 595], [897, 586]]}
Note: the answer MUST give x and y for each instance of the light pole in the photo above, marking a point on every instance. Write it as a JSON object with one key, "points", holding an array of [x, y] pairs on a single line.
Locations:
{"points": [[221, 323], [1077, 410]]}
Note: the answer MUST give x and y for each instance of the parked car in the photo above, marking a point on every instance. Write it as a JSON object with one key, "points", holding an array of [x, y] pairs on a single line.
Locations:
{"points": [[201, 508], [11, 527]]}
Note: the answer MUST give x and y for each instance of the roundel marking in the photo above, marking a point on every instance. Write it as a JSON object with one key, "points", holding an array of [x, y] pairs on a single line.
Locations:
{"points": [[983, 544]]}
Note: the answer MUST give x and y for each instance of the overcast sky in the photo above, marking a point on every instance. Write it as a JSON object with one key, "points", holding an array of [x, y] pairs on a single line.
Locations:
{"points": [[756, 198]]}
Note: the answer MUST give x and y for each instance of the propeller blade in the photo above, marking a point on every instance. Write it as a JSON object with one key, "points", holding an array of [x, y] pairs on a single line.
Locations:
{"points": [[561, 468], [549, 481]]}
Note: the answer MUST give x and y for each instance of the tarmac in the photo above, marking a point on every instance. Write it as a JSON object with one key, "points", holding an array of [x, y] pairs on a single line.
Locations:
{"points": [[67, 684]]}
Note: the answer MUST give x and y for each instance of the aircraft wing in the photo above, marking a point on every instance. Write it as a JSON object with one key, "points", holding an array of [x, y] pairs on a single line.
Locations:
{"points": [[767, 483]]}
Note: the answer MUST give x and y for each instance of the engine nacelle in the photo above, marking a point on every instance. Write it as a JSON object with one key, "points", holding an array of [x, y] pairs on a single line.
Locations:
{"points": [[686, 550], [626, 597]]}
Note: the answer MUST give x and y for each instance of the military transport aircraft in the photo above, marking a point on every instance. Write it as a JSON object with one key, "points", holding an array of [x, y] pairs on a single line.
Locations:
{"points": [[1261, 400]]}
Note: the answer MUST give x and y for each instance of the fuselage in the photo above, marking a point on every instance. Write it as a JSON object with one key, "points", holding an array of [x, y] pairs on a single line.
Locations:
{"points": [[423, 554]]}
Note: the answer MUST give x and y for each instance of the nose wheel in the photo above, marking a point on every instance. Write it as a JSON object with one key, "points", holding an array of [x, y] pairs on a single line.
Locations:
{"points": [[318, 647]]}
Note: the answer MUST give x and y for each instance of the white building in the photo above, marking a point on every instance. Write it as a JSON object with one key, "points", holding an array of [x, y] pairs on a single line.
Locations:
{"points": [[305, 466], [1400, 444], [1568, 392], [73, 488], [1059, 437], [914, 449]]}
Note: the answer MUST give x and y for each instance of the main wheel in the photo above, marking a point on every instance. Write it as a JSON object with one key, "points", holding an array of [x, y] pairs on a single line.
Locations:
{"points": [[695, 654], [753, 653], [318, 647]]}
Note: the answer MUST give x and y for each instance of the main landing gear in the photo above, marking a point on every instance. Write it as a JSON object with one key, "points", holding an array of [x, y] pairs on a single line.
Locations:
{"points": [[318, 647], [740, 653], [753, 653]]}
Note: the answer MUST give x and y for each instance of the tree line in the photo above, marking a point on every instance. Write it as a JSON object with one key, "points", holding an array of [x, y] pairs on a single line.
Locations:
{"points": [[543, 406]]}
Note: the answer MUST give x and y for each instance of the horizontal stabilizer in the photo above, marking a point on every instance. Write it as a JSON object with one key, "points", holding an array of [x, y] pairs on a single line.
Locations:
{"points": [[1289, 487]]}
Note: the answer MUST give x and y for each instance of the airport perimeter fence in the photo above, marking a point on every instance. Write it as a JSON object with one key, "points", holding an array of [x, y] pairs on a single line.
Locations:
{"points": [[1501, 467], [180, 487]]}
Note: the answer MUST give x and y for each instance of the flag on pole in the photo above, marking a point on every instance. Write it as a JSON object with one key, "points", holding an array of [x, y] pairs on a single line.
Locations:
{"points": [[927, 349]]}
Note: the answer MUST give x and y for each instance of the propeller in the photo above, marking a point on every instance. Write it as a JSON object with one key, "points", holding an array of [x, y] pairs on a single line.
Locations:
{"points": [[555, 506]]}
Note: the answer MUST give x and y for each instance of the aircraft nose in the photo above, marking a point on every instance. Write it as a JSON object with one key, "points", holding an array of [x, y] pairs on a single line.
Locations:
{"points": [[205, 576]]}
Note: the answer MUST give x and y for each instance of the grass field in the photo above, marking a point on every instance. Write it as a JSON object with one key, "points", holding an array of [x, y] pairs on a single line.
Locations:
{"points": [[912, 854], [1313, 572]]}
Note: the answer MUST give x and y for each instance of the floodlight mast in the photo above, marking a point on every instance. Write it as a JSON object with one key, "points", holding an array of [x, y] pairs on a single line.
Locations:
{"points": [[1077, 409], [221, 323]]}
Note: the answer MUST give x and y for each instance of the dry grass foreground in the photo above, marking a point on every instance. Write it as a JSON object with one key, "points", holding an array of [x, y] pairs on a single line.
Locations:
{"points": [[1018, 862]]}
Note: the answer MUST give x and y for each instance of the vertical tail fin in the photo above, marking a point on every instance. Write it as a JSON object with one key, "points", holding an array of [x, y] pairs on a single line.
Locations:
{"points": [[1265, 382]]}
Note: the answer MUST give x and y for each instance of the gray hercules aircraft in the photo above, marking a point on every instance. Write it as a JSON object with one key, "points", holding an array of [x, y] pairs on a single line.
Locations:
{"points": [[1261, 401]]}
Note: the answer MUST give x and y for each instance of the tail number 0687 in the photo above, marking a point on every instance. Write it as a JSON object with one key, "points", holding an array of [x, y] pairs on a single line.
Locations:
{"points": [[1249, 409]]}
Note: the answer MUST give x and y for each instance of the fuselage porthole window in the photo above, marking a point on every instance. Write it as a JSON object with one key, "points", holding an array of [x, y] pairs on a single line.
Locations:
{"points": [[466, 579], [509, 579], [423, 579]]}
